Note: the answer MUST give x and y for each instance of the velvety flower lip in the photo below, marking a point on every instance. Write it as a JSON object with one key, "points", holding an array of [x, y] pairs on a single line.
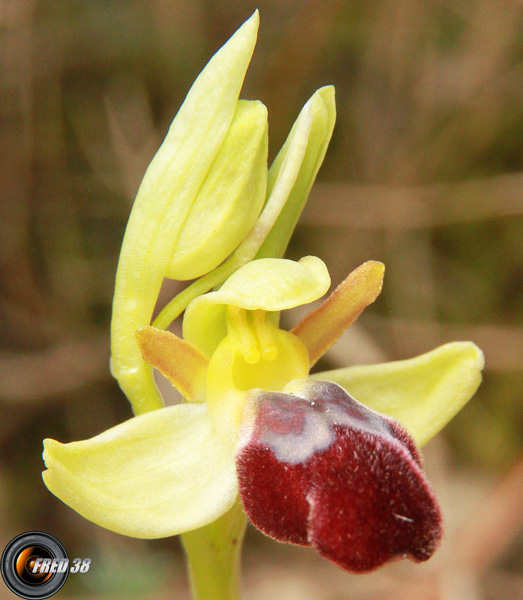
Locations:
{"points": [[350, 481]]}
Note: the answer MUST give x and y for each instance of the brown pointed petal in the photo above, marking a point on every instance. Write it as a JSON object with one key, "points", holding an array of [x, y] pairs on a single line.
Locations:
{"points": [[323, 326], [183, 364]]}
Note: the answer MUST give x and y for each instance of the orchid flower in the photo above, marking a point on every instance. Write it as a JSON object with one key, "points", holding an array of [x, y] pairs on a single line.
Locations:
{"points": [[328, 460]]}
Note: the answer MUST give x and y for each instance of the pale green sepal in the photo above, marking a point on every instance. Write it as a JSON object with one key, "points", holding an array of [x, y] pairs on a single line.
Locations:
{"points": [[422, 393], [271, 284], [230, 199], [164, 199], [156, 475], [323, 110]]}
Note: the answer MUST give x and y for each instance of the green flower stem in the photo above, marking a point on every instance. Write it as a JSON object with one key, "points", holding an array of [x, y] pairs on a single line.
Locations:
{"points": [[214, 553]]}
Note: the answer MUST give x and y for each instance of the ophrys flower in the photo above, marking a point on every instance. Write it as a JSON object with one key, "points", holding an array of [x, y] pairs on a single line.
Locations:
{"points": [[312, 465]]}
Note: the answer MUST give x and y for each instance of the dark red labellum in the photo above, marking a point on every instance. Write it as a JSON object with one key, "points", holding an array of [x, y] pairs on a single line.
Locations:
{"points": [[319, 468]]}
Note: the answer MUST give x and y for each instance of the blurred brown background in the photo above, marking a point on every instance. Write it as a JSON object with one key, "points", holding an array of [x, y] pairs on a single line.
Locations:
{"points": [[424, 172]]}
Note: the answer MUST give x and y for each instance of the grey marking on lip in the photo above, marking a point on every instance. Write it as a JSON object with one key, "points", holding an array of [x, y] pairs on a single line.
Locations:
{"points": [[298, 425]]}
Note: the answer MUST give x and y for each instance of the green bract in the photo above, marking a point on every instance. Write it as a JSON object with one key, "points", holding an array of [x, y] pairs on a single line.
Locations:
{"points": [[202, 197], [166, 196]]}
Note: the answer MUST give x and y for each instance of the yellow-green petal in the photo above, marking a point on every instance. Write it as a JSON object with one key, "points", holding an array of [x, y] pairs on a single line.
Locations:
{"points": [[422, 393], [164, 199], [271, 284], [156, 475]]}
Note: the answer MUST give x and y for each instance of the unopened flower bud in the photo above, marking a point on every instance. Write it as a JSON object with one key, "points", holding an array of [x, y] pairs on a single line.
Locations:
{"points": [[230, 198]]}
